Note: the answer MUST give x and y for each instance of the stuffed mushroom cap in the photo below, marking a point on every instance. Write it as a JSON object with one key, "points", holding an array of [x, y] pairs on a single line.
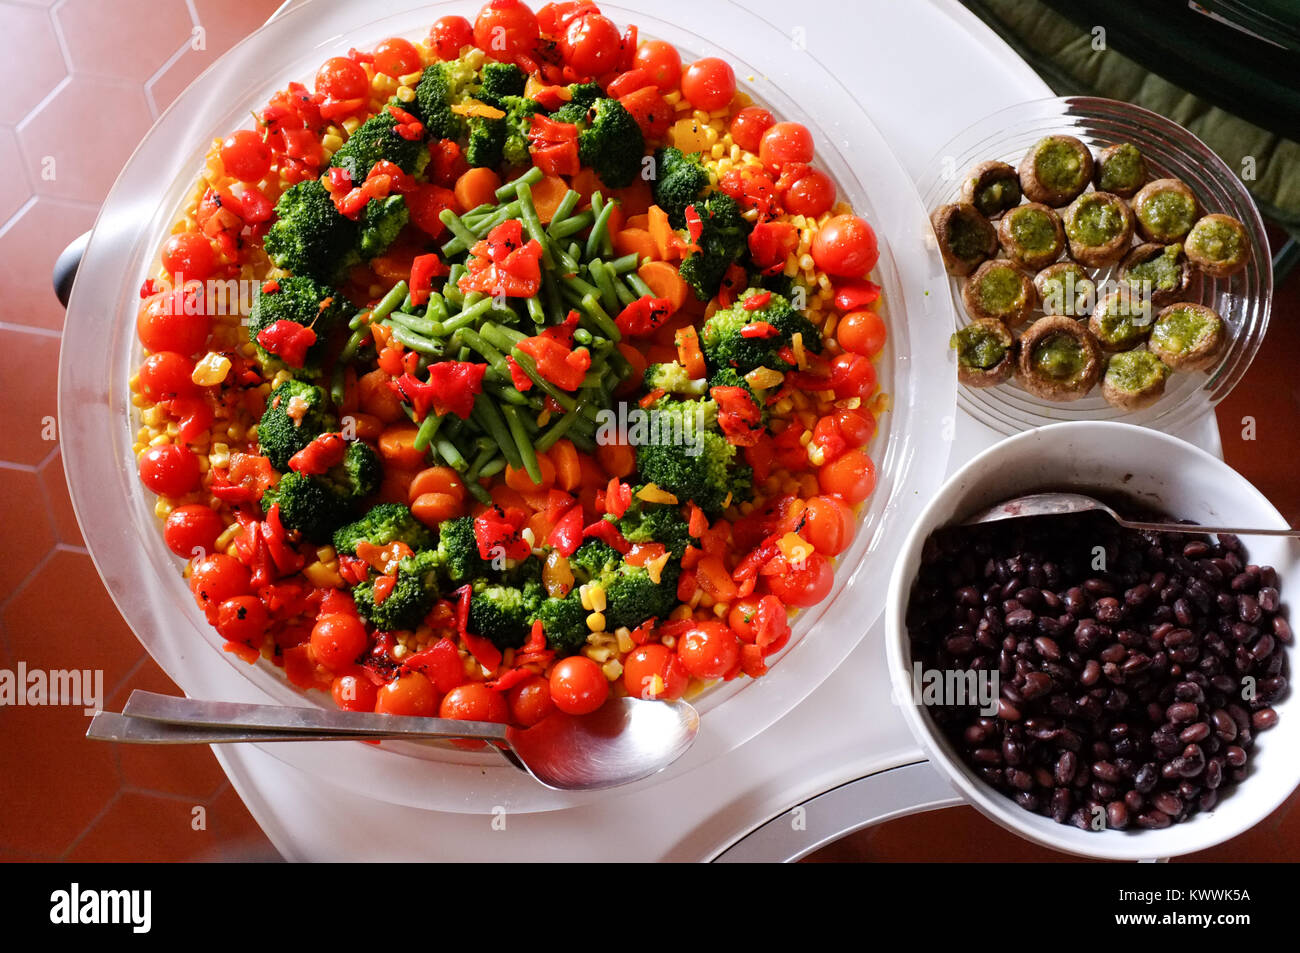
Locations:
{"points": [[1059, 360], [1066, 288], [1188, 336], [1055, 170], [1166, 210], [992, 187], [1134, 379], [1100, 228], [1121, 170], [966, 238], [1218, 245], [1160, 273], [1032, 235], [986, 353], [999, 289]]}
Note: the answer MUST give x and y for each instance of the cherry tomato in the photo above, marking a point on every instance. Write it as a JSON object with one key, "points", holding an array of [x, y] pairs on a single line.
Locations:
{"points": [[803, 586], [216, 578], [190, 255], [408, 694], [166, 375], [785, 142], [340, 78], [192, 530], [851, 477], [426, 204], [743, 615], [449, 35], [862, 332], [242, 619], [504, 29], [812, 194], [164, 325], [396, 57], [828, 525], [709, 84], [853, 376], [845, 246], [748, 127], [354, 692], [646, 662], [855, 427], [591, 44], [578, 686], [530, 701], [474, 701], [246, 156], [662, 61], [170, 470], [337, 640], [709, 649]]}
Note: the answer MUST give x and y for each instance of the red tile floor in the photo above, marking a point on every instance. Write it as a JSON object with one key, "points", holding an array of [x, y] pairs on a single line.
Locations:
{"points": [[102, 70]]}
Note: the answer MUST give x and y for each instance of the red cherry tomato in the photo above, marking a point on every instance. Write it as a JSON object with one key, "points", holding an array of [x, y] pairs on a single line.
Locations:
{"points": [[852, 375], [743, 615], [164, 325], [785, 142], [591, 44], [425, 205], [192, 530], [530, 701], [662, 61], [748, 127], [166, 375], [340, 78], [851, 477], [354, 692], [337, 640], [504, 29], [803, 586], [245, 156], [408, 694], [242, 619], [449, 35], [170, 470], [216, 578], [828, 525], [474, 701], [708, 649], [709, 84], [845, 246], [862, 332], [578, 686], [812, 194], [396, 56], [857, 428], [646, 662], [190, 255]]}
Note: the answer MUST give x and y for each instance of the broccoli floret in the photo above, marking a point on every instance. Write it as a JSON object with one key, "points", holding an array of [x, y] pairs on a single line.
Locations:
{"points": [[458, 550], [565, 623], [383, 524], [487, 141], [672, 377], [309, 236], [679, 180], [519, 116], [441, 86], [503, 614], [612, 144], [724, 237], [582, 96], [377, 138], [688, 457], [632, 596], [655, 523], [358, 475], [593, 559], [304, 301], [498, 80], [308, 505], [295, 416], [409, 601], [381, 221], [725, 345]]}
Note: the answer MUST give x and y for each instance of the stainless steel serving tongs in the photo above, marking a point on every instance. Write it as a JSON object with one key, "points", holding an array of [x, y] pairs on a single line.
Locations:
{"points": [[625, 740]]}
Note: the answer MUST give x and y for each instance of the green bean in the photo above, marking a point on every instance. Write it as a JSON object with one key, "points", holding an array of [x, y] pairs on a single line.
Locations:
{"points": [[603, 321], [557, 430], [451, 290], [492, 468], [573, 281], [530, 178], [552, 292], [506, 391], [535, 311], [625, 294], [524, 443], [504, 338], [582, 441], [428, 428], [474, 340], [629, 262], [640, 287], [436, 310], [468, 316], [487, 449], [358, 320], [563, 228], [337, 386], [599, 239], [564, 210], [414, 323], [490, 419], [529, 367], [417, 342], [354, 344], [458, 229], [582, 336], [604, 283], [447, 450], [502, 214], [533, 225], [389, 301]]}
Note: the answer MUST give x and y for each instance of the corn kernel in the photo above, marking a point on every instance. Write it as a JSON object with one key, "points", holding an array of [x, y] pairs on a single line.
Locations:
{"points": [[161, 508], [596, 595], [596, 622]]}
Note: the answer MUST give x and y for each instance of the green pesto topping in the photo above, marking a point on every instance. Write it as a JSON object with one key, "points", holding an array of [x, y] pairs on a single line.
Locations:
{"points": [[1167, 213], [1094, 220], [1135, 371], [1215, 240], [968, 237], [1182, 330], [998, 195], [1121, 170], [1161, 273], [1058, 166], [1120, 330], [1033, 230], [1067, 291], [978, 347], [1059, 356], [1001, 290]]}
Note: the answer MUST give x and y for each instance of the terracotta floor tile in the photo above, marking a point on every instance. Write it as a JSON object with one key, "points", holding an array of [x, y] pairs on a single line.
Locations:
{"points": [[224, 23], [60, 504], [49, 629], [238, 836], [32, 359], [26, 534], [31, 62], [89, 128], [29, 246], [14, 190], [122, 39], [140, 828], [54, 781]]}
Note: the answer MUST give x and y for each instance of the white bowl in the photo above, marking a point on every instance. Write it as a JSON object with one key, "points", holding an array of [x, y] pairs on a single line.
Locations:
{"points": [[1167, 475]]}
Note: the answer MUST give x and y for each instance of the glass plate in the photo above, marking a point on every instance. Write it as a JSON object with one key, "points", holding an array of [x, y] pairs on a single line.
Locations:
{"points": [[100, 354], [1243, 301]]}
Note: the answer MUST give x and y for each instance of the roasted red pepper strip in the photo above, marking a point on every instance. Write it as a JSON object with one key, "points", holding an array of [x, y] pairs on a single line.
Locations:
{"points": [[852, 294], [523, 383], [319, 456], [759, 557], [288, 340], [618, 497], [758, 329], [643, 316], [424, 268], [499, 529], [756, 301], [563, 332], [487, 654], [566, 537], [739, 417], [694, 224], [553, 146], [451, 388], [440, 663], [608, 533], [564, 368]]}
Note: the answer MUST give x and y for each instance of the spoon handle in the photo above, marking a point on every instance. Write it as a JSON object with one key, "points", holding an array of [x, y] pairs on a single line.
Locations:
{"points": [[1197, 528]]}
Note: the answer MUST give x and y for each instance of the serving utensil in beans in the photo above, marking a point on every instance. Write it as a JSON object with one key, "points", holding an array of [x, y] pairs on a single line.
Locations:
{"points": [[626, 740], [1059, 504]]}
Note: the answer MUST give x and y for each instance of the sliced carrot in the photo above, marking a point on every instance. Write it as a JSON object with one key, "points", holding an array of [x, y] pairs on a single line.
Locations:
{"points": [[395, 487], [635, 198], [633, 382], [665, 282], [629, 241], [660, 354], [368, 427], [639, 220], [689, 353], [521, 481], [443, 480], [617, 459], [547, 195], [661, 233], [584, 183], [503, 496], [616, 220], [397, 446], [434, 508], [568, 471], [477, 187], [376, 398], [541, 525]]}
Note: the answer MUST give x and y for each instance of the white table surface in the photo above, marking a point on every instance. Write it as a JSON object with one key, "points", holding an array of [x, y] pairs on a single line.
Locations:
{"points": [[848, 728]]}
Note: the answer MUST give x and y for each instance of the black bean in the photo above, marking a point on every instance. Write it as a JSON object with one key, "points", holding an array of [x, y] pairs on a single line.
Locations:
{"points": [[1168, 803], [1263, 719], [1154, 820]]}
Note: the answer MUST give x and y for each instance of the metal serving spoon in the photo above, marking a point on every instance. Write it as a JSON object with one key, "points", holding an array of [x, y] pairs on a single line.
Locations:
{"points": [[1059, 504], [626, 740]]}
